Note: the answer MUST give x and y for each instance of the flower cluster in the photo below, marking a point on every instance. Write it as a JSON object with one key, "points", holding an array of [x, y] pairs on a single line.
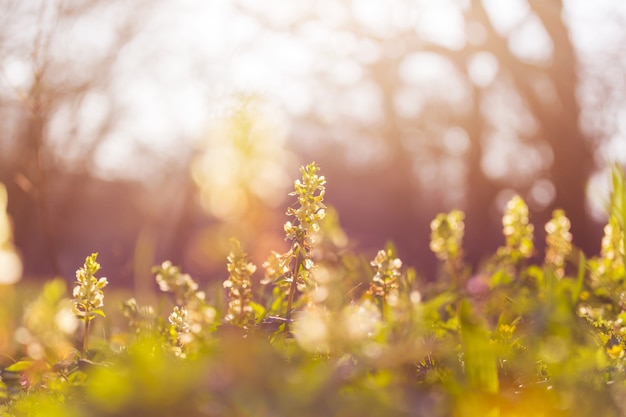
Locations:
{"points": [[310, 192], [191, 315], [308, 211], [180, 330], [446, 237], [88, 295], [613, 245], [139, 318], [184, 288], [558, 241], [446, 240], [608, 270], [239, 285], [276, 267], [179, 320], [518, 231], [385, 281], [611, 265]]}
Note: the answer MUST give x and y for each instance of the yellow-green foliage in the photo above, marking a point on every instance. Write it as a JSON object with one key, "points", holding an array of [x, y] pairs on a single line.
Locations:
{"points": [[510, 339]]}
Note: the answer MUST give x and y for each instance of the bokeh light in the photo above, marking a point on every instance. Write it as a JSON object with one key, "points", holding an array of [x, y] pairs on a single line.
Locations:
{"points": [[208, 109], [243, 157], [10, 262]]}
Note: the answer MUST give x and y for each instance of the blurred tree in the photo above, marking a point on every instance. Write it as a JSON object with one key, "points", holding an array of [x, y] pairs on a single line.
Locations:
{"points": [[447, 104], [547, 88], [50, 73], [410, 107]]}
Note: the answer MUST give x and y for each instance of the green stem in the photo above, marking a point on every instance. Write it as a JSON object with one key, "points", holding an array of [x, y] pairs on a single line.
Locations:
{"points": [[292, 294], [383, 307], [453, 271], [294, 282], [86, 336]]}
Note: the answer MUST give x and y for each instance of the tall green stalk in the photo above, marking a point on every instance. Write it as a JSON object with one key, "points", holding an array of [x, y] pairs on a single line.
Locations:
{"points": [[307, 212]]}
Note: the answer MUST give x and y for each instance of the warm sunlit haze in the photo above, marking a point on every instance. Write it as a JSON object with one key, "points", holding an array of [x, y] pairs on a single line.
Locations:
{"points": [[152, 130]]}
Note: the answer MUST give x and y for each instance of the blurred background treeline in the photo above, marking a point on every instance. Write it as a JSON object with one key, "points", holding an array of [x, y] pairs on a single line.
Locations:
{"points": [[151, 130]]}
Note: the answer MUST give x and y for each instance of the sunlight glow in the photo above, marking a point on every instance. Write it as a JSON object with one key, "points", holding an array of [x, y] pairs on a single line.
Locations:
{"points": [[542, 193], [506, 17], [10, 262], [456, 140], [435, 77], [531, 41], [243, 157], [340, 70], [441, 22], [483, 68]]}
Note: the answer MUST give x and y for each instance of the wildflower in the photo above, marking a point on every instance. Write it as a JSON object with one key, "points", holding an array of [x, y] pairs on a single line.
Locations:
{"points": [[184, 288], [385, 281], [180, 330], [611, 266], [88, 294], [239, 285], [308, 211], [276, 267], [310, 192], [517, 231], [446, 240], [138, 317], [447, 235], [178, 319], [191, 315], [558, 241], [613, 246], [615, 351]]}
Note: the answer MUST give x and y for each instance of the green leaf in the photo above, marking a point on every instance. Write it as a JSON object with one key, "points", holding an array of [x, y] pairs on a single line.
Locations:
{"points": [[537, 274], [54, 290], [3, 390], [618, 195], [500, 277], [20, 366], [478, 352], [580, 281], [258, 309], [98, 312]]}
